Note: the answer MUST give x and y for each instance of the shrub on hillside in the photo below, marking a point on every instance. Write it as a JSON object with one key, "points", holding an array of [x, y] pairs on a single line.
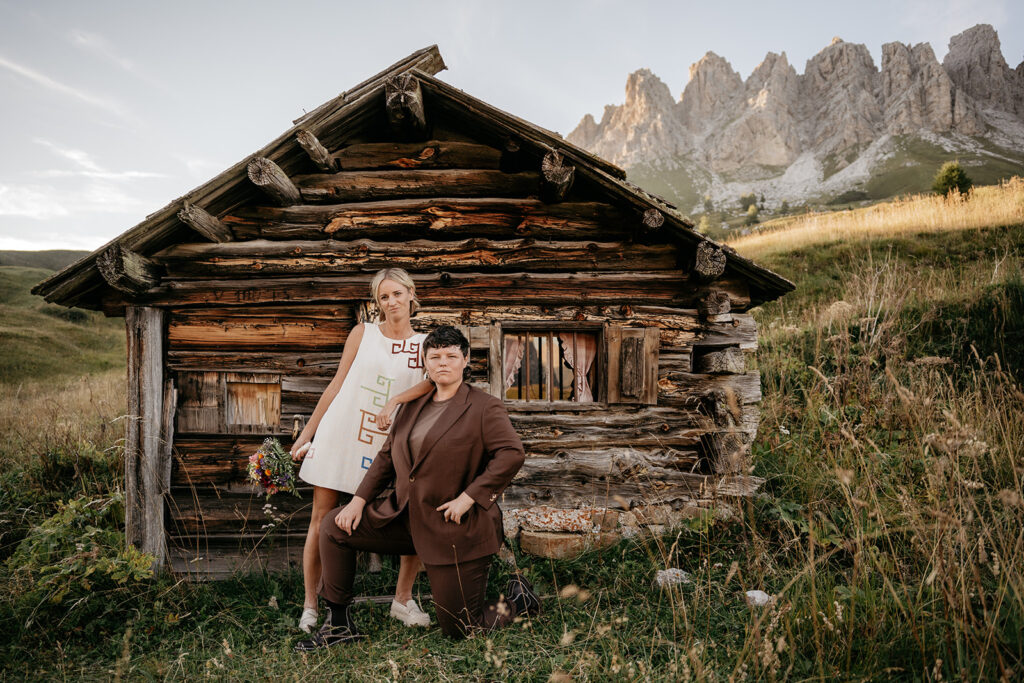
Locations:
{"points": [[748, 200], [951, 177], [71, 563], [752, 216]]}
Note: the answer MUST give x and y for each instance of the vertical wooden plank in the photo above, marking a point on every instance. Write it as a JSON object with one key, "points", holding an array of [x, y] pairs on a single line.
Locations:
{"points": [[631, 383], [495, 362], [613, 352], [551, 367], [145, 446], [652, 345], [133, 519]]}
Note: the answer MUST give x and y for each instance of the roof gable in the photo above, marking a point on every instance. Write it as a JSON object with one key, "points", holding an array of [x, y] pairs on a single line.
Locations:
{"points": [[333, 122]]}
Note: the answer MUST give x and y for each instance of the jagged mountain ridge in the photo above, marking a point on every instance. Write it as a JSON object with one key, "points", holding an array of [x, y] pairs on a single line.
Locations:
{"points": [[842, 125]]}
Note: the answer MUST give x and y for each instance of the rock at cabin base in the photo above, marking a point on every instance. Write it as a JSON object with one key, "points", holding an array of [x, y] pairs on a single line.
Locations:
{"points": [[671, 577], [544, 518], [758, 598], [561, 546]]}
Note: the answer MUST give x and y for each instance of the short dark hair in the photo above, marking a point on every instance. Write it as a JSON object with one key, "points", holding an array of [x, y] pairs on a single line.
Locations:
{"points": [[444, 336]]}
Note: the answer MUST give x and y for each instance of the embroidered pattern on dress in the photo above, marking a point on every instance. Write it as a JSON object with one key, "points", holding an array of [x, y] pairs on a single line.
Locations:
{"points": [[366, 434], [412, 349], [380, 398]]}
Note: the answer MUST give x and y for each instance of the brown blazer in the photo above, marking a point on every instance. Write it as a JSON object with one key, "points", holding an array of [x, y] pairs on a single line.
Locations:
{"points": [[473, 448]]}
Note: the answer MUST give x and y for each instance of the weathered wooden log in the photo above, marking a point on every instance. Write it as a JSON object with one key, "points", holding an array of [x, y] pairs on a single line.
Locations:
{"points": [[676, 387], [652, 220], [210, 560], [466, 289], [205, 224], [127, 271], [556, 177], [447, 218], [611, 477], [727, 361], [709, 263], [715, 307], [404, 104], [329, 256], [363, 186], [369, 156], [513, 156], [274, 182], [205, 512], [726, 452], [314, 364], [146, 439], [318, 154], [241, 334]]}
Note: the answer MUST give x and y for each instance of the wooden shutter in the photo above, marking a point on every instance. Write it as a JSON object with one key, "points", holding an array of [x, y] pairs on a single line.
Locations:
{"points": [[229, 402], [632, 364]]}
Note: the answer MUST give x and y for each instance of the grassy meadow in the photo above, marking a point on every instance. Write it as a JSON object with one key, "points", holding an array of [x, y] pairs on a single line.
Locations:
{"points": [[890, 530]]}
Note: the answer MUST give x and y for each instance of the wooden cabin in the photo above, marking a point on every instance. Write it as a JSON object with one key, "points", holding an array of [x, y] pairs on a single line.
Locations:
{"points": [[619, 337]]}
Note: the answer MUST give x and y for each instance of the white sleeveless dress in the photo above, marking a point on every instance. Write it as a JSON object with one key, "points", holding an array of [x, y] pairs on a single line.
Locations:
{"points": [[347, 438]]}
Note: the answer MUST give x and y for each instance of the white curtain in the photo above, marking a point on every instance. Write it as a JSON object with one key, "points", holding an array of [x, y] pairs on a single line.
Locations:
{"points": [[512, 358], [579, 351]]}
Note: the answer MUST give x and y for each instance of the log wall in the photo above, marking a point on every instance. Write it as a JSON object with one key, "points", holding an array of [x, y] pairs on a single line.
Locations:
{"points": [[255, 327]]}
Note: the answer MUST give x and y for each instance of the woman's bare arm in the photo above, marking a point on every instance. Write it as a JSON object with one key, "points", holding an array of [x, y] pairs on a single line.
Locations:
{"points": [[410, 394], [348, 355]]}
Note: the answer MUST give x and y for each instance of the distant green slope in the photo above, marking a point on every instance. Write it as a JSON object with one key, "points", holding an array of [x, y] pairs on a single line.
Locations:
{"points": [[53, 259], [41, 341]]}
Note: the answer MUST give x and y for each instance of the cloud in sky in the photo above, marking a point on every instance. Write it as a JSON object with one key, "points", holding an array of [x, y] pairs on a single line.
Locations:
{"points": [[97, 44], [40, 79], [88, 167]]}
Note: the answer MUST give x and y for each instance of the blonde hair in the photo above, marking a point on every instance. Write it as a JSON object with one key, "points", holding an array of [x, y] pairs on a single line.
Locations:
{"points": [[401, 277]]}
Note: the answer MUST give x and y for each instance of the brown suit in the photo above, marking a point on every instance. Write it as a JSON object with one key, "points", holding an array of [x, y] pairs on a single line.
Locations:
{"points": [[473, 448]]}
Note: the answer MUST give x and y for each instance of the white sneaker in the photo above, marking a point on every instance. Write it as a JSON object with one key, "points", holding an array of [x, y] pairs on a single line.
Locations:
{"points": [[308, 619], [410, 613]]}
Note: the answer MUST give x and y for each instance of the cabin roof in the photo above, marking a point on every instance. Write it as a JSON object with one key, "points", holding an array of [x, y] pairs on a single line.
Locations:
{"points": [[81, 283]]}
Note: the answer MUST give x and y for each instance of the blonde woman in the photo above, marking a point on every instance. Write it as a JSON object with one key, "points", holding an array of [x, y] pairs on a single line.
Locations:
{"points": [[381, 367]]}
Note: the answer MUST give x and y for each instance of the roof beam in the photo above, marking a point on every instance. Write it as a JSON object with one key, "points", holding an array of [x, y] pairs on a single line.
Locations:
{"points": [[556, 177], [210, 227], [127, 271], [318, 154], [404, 104], [274, 182]]}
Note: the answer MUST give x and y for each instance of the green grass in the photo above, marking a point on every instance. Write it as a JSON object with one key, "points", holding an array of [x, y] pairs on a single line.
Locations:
{"points": [[911, 169], [51, 259], [40, 340], [889, 530]]}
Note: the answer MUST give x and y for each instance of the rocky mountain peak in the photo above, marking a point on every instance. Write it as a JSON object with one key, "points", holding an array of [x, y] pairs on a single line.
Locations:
{"points": [[975, 63], [646, 93], [790, 134], [712, 91], [918, 93]]}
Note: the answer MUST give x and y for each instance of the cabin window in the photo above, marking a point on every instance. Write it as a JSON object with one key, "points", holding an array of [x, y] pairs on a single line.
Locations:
{"points": [[546, 365]]}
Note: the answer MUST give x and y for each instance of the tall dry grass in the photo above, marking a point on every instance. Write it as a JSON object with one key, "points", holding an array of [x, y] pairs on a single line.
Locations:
{"points": [[984, 207]]}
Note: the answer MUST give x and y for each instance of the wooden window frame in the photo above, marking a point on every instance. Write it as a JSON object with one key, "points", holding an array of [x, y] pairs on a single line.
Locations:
{"points": [[496, 363]]}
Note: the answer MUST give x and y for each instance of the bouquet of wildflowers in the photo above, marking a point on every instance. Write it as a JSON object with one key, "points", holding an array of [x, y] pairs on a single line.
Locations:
{"points": [[272, 469]]}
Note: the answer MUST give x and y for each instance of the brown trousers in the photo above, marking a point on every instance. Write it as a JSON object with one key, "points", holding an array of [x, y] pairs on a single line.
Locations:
{"points": [[458, 589]]}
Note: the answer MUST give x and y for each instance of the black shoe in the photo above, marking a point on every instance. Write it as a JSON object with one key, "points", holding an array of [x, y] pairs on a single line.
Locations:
{"points": [[329, 634], [520, 595]]}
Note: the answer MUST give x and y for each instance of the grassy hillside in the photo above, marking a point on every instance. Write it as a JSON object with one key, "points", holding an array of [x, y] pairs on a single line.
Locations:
{"points": [[889, 532], [40, 341], [52, 259]]}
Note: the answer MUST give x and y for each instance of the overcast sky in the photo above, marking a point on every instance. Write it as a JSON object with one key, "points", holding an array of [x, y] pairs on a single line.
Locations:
{"points": [[110, 110]]}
